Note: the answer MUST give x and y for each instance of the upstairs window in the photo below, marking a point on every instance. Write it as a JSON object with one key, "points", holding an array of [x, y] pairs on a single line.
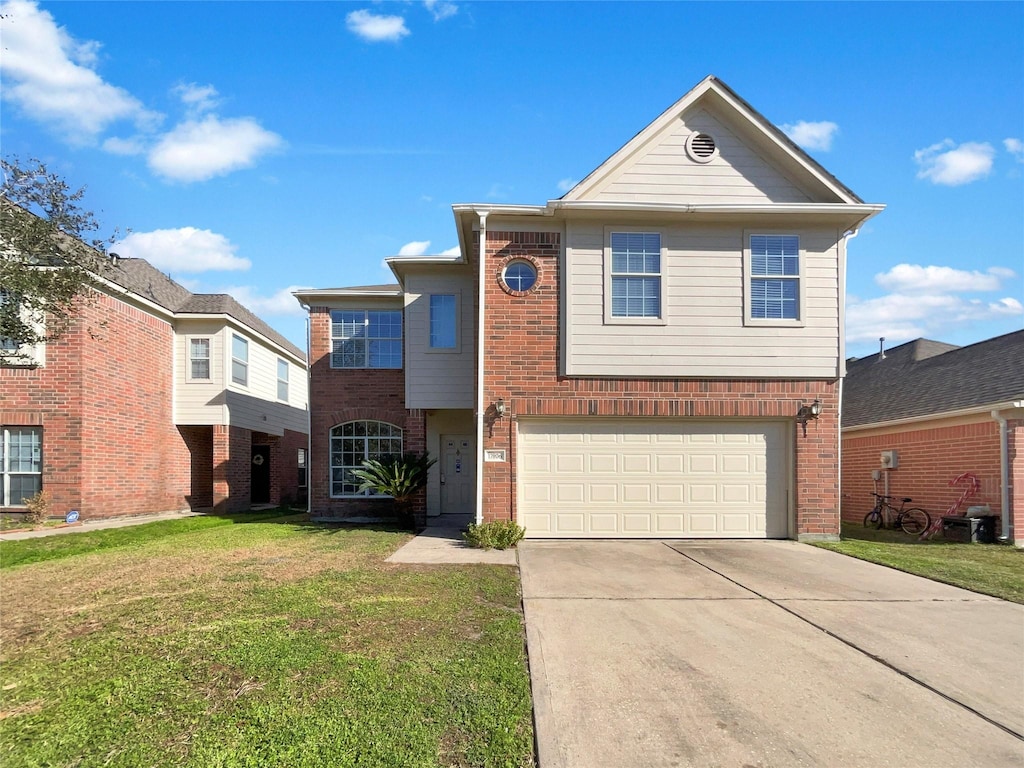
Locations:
{"points": [[199, 358], [239, 360], [282, 379], [366, 338], [443, 325], [636, 274], [774, 277], [352, 444]]}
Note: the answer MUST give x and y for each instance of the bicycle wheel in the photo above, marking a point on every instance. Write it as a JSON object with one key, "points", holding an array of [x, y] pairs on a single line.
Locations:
{"points": [[914, 521], [873, 519]]}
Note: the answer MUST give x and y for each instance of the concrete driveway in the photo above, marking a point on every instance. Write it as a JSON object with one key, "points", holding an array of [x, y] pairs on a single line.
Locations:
{"points": [[774, 653]]}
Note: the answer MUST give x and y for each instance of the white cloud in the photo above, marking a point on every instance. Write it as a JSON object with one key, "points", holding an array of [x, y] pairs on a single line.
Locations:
{"points": [[454, 251], [924, 302], [50, 76], [375, 28], [441, 9], [951, 165], [1016, 148], [183, 250], [197, 98], [812, 135], [127, 147], [279, 303], [566, 184], [415, 248], [197, 150], [913, 278]]}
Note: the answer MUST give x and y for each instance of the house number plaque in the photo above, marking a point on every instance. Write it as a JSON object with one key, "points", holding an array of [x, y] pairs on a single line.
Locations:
{"points": [[494, 454]]}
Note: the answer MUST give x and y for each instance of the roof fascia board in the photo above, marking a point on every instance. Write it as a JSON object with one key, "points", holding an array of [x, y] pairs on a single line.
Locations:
{"points": [[1005, 405], [868, 209], [116, 288], [238, 324]]}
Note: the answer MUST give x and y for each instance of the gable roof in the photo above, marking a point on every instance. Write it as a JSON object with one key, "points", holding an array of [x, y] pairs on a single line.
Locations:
{"points": [[926, 378], [143, 279], [714, 90]]}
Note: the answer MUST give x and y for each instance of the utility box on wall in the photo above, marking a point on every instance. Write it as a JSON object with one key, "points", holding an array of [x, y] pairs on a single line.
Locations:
{"points": [[890, 459]]}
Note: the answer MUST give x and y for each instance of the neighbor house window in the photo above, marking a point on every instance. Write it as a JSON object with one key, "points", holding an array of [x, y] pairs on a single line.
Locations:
{"points": [[239, 360], [21, 464], [366, 339], [282, 379], [199, 358], [302, 467], [635, 274], [352, 444], [443, 315], [774, 277]]}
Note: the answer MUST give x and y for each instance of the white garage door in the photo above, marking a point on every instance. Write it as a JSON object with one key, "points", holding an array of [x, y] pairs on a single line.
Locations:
{"points": [[639, 478]]}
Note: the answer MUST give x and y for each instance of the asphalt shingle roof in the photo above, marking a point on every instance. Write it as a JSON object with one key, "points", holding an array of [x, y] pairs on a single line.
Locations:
{"points": [[924, 377]]}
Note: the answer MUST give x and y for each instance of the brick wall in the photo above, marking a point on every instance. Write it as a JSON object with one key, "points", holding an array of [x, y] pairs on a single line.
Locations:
{"points": [[104, 400], [930, 456], [232, 473], [340, 395], [521, 336], [199, 442]]}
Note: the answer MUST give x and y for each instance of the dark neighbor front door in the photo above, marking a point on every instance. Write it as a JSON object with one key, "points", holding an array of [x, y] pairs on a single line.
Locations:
{"points": [[260, 474]]}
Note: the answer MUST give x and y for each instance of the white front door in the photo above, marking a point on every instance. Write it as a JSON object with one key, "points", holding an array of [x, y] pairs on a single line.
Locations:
{"points": [[458, 474]]}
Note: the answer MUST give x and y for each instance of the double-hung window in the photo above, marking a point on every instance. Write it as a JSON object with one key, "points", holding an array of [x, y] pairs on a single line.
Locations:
{"points": [[21, 464], [282, 379], [199, 358], [239, 360], [443, 321], [352, 444], [774, 275], [366, 338], [635, 275]]}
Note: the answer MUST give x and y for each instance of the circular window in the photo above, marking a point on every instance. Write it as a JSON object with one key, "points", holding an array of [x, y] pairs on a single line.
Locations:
{"points": [[519, 276], [701, 147]]}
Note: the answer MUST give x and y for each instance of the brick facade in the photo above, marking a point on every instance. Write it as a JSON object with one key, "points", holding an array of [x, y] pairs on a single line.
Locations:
{"points": [[930, 456], [521, 336], [337, 396]]}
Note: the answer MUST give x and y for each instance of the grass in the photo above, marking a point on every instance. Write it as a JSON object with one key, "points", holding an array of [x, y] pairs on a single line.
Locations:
{"points": [[256, 641], [991, 569]]}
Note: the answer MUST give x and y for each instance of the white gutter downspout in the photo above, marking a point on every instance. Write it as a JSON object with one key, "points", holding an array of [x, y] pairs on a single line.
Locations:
{"points": [[480, 409], [841, 368], [1004, 479]]}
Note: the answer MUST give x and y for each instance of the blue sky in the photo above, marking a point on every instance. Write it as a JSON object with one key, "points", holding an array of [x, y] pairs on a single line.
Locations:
{"points": [[256, 147]]}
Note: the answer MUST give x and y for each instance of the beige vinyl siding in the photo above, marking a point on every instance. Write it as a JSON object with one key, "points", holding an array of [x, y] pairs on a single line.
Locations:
{"points": [[705, 333], [662, 171], [220, 401], [438, 378]]}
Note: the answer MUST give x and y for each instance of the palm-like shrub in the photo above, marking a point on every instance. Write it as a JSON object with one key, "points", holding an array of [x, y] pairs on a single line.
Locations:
{"points": [[399, 477]]}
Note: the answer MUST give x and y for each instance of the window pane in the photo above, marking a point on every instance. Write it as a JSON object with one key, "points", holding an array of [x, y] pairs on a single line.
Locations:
{"points": [[774, 299], [200, 369], [200, 348], [775, 255], [385, 325], [636, 253], [385, 354], [24, 487], [25, 454], [239, 348], [239, 372], [520, 275], [636, 297], [442, 321]]}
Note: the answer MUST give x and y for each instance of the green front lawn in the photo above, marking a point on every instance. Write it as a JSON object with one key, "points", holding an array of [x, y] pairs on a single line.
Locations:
{"points": [[992, 569], [256, 641]]}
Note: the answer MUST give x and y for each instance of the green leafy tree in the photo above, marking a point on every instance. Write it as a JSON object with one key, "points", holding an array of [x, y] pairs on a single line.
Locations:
{"points": [[47, 259], [397, 476]]}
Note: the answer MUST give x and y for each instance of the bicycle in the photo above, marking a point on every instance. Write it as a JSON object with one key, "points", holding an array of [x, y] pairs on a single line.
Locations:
{"points": [[912, 521]]}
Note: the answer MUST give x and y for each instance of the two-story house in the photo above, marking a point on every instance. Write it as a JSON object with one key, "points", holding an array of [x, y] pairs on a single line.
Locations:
{"points": [[658, 353], [155, 399]]}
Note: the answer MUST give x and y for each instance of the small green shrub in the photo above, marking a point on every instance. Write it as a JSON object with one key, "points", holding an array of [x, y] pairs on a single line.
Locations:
{"points": [[500, 534]]}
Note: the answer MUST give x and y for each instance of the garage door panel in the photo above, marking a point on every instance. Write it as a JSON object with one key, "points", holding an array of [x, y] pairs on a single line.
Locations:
{"points": [[616, 478]]}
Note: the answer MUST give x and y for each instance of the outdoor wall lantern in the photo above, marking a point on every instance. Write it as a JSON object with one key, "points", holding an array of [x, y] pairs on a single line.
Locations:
{"points": [[499, 407], [808, 412]]}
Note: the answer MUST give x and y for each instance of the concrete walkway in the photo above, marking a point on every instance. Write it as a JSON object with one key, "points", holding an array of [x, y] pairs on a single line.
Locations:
{"points": [[442, 542], [763, 654], [94, 525]]}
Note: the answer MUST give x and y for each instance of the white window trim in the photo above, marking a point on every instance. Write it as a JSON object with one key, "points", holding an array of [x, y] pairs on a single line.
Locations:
{"points": [[231, 371], [331, 467], [609, 318], [366, 315], [458, 325], [188, 361], [800, 279], [285, 381], [5, 476]]}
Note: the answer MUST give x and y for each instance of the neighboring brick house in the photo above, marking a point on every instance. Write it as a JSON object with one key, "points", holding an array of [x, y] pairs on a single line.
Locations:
{"points": [[155, 399], [944, 410], [626, 361]]}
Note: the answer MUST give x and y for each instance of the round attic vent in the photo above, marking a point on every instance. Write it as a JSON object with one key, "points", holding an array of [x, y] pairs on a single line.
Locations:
{"points": [[701, 147]]}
